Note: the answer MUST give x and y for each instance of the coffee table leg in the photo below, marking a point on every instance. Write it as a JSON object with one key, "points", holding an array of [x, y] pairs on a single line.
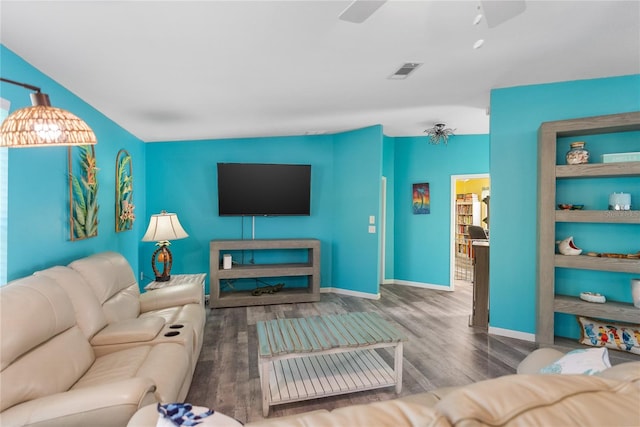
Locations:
{"points": [[398, 367], [264, 379]]}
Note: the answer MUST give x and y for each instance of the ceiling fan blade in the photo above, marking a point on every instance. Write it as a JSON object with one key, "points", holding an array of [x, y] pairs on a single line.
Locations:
{"points": [[496, 12], [359, 10]]}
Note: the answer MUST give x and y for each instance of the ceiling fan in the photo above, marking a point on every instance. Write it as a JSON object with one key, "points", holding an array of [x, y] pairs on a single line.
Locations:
{"points": [[495, 11]]}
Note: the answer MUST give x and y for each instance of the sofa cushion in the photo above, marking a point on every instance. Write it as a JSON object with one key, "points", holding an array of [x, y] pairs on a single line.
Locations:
{"points": [[587, 361], [40, 340], [578, 400], [114, 283], [167, 364], [88, 310], [392, 413]]}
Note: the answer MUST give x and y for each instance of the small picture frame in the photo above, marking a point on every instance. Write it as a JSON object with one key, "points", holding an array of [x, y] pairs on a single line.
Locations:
{"points": [[421, 201]]}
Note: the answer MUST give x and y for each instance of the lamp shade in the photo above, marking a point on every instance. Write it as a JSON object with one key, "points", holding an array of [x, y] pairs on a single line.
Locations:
{"points": [[164, 227], [42, 125]]}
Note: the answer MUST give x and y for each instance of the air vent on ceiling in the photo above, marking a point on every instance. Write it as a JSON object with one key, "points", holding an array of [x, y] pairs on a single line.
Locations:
{"points": [[404, 71]]}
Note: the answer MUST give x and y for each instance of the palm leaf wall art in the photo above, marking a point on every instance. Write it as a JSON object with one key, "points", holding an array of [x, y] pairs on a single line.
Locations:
{"points": [[83, 193], [124, 192]]}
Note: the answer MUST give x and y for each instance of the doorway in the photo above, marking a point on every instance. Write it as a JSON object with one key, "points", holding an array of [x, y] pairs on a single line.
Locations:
{"points": [[470, 201]]}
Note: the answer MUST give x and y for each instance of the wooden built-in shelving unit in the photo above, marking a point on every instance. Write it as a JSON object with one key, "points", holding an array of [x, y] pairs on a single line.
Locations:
{"points": [[548, 173]]}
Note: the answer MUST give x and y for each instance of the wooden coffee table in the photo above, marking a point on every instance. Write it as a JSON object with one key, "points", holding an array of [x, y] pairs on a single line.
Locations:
{"points": [[314, 357]]}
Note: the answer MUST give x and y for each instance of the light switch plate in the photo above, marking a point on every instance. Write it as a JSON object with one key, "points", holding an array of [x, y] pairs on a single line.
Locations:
{"points": [[372, 219], [372, 229]]}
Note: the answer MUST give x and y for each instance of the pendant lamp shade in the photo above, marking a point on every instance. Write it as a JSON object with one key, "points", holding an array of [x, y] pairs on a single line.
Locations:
{"points": [[42, 125]]}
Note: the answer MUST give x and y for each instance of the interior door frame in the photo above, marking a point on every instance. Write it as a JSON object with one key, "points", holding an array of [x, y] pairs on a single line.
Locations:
{"points": [[452, 235]]}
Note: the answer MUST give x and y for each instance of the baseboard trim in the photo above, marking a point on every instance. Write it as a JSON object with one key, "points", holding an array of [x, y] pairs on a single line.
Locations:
{"points": [[347, 292], [421, 285], [509, 333]]}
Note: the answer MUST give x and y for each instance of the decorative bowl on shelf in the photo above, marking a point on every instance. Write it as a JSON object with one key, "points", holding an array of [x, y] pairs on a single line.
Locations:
{"points": [[593, 297], [567, 207]]}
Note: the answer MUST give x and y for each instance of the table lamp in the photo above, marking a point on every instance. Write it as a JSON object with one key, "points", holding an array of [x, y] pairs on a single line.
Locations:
{"points": [[163, 227]]}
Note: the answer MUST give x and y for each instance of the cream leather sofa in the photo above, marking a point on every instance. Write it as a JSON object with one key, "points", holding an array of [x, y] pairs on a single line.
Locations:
{"points": [[611, 398], [79, 345]]}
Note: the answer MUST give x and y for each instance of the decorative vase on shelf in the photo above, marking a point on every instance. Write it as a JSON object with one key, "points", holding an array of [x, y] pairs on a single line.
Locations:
{"points": [[578, 155], [635, 292]]}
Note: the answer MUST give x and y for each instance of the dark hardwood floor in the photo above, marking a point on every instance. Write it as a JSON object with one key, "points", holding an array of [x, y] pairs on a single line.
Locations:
{"points": [[442, 350]]}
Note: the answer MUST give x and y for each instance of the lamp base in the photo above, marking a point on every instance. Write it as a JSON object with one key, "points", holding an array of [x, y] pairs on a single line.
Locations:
{"points": [[163, 256]]}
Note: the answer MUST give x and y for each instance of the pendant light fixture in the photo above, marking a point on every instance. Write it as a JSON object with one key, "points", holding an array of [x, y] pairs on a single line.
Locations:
{"points": [[42, 125], [439, 133]]}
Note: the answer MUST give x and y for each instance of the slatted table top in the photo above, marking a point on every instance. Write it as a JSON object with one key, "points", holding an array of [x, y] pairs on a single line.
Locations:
{"points": [[320, 333]]}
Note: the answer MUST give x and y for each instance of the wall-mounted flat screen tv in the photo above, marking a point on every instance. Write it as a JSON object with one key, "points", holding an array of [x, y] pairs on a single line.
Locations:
{"points": [[258, 189]]}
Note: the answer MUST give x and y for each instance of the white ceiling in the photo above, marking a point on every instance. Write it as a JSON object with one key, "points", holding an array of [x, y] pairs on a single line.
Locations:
{"points": [[180, 70]]}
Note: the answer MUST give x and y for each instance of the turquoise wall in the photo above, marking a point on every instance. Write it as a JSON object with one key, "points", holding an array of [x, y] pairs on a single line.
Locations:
{"points": [[357, 184], [38, 193], [388, 171], [516, 114], [423, 242], [182, 178]]}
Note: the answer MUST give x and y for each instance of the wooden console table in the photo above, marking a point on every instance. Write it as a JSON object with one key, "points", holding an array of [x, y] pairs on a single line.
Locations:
{"points": [[320, 356], [309, 268]]}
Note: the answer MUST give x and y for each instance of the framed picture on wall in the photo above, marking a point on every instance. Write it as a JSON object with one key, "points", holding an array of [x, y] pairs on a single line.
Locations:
{"points": [[421, 200]]}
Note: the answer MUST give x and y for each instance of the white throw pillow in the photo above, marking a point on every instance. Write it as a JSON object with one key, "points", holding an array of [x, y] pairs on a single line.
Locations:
{"points": [[588, 361]]}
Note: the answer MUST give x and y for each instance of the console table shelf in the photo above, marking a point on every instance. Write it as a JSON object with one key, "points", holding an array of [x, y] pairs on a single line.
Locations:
{"points": [[309, 268]]}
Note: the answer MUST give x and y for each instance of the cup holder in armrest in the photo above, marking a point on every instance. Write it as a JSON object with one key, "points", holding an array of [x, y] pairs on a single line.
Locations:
{"points": [[178, 326], [172, 333]]}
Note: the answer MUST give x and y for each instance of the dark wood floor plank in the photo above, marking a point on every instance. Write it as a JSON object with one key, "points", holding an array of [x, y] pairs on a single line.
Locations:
{"points": [[441, 351]]}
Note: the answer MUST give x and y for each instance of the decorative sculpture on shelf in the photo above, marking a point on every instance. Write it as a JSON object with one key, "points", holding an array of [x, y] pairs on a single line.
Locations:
{"points": [[567, 247]]}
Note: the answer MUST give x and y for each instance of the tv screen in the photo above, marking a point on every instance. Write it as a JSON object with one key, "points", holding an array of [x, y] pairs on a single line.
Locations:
{"points": [[256, 189]]}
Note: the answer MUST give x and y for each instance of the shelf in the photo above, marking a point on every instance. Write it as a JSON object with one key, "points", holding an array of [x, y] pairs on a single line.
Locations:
{"points": [[584, 262], [610, 310], [315, 376], [618, 217], [266, 270], [244, 298], [598, 170]]}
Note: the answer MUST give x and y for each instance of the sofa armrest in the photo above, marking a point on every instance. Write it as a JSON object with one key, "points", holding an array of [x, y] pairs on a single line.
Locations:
{"points": [[628, 372], [141, 329], [538, 359], [172, 296], [112, 404]]}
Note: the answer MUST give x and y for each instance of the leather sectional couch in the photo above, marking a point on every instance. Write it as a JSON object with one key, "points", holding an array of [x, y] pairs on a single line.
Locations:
{"points": [[609, 398], [80, 346]]}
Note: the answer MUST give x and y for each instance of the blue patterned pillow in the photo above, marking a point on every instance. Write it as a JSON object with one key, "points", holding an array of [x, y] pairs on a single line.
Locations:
{"points": [[587, 361], [619, 336]]}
